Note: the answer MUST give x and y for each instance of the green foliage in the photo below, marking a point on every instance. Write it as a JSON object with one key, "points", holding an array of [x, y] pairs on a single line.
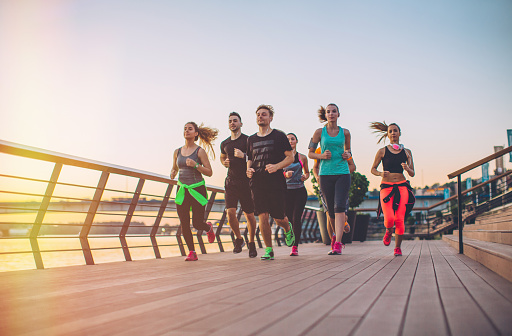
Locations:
{"points": [[358, 189], [316, 187]]}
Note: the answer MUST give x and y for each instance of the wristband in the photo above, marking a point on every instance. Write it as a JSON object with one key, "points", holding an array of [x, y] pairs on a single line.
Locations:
{"points": [[197, 165], [350, 158]]}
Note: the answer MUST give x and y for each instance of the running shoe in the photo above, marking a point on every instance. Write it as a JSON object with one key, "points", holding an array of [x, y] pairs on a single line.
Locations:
{"points": [[269, 254], [238, 244], [210, 234], [295, 251], [387, 238], [252, 250], [346, 228], [192, 256], [337, 249], [398, 251], [289, 237], [333, 240]]}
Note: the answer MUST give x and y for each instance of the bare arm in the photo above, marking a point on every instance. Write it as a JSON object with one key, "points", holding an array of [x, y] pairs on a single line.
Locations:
{"points": [[224, 160], [409, 166], [175, 168], [316, 139], [305, 167], [288, 160], [206, 168], [348, 140], [376, 162]]}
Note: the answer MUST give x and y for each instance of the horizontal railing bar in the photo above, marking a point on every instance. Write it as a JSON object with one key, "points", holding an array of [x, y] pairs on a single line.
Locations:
{"points": [[24, 178], [480, 162], [46, 155]]}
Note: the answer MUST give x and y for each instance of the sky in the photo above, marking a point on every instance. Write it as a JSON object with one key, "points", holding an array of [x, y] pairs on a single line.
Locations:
{"points": [[116, 81]]}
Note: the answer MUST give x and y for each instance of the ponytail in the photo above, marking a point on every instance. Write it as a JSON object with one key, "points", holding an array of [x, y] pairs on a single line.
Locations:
{"points": [[206, 136], [381, 128]]}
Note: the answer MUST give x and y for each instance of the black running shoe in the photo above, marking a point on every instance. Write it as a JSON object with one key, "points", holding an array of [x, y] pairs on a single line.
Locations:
{"points": [[239, 243], [252, 250]]}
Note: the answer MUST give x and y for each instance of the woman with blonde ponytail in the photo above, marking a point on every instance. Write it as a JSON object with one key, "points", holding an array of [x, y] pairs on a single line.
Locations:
{"points": [[396, 197], [191, 161]]}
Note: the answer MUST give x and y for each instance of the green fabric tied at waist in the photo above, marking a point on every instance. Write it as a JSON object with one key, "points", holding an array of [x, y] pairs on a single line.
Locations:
{"points": [[180, 196]]}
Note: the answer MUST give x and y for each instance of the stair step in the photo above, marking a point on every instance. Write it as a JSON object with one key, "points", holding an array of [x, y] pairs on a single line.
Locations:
{"points": [[493, 236], [494, 256]]}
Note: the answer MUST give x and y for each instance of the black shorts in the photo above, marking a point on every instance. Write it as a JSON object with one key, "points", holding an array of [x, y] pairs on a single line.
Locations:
{"points": [[236, 191], [269, 199]]}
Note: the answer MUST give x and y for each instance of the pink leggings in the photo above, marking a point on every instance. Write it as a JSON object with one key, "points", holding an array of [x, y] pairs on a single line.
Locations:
{"points": [[392, 218]]}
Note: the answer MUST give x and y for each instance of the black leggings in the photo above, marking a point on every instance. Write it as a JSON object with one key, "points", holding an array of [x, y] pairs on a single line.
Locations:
{"points": [[335, 189], [295, 203], [198, 220]]}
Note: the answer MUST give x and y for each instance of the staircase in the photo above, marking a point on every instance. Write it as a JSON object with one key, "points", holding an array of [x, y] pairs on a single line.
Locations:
{"points": [[489, 240]]}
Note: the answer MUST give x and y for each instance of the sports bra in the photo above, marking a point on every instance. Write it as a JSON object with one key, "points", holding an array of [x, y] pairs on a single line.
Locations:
{"points": [[393, 162]]}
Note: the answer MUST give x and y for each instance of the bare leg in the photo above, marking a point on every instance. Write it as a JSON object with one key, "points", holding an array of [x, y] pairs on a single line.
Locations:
{"points": [[398, 240], [233, 222], [284, 223], [251, 226], [265, 230], [339, 224]]}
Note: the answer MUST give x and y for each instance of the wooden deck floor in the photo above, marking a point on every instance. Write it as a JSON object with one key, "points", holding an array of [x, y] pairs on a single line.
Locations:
{"points": [[430, 290]]}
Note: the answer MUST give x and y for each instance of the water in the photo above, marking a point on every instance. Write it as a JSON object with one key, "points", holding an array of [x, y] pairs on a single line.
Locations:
{"points": [[111, 252]]}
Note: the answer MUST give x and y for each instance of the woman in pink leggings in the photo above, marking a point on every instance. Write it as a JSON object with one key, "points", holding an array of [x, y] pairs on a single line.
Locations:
{"points": [[396, 197]]}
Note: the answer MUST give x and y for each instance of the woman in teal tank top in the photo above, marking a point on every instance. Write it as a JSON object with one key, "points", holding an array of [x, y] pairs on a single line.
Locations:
{"points": [[334, 171]]}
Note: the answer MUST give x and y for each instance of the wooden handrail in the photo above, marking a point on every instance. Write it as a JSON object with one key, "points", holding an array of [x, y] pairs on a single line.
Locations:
{"points": [[480, 162], [46, 155]]}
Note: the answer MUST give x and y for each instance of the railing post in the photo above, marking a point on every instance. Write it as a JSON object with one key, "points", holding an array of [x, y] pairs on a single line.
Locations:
{"points": [[158, 219], [219, 229], [128, 220], [459, 214], [40, 215], [206, 214], [95, 202]]}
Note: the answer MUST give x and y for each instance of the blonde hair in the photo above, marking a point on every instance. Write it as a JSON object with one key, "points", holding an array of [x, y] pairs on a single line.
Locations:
{"points": [[321, 112], [381, 128], [266, 107], [206, 136]]}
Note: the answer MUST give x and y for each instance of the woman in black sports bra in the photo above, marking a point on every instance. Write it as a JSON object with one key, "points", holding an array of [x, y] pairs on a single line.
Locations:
{"points": [[396, 197]]}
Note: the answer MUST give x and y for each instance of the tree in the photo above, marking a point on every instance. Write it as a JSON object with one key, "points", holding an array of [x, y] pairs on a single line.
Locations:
{"points": [[358, 189]]}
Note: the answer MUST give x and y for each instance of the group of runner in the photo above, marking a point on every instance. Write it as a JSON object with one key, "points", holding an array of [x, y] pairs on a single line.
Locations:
{"points": [[266, 176]]}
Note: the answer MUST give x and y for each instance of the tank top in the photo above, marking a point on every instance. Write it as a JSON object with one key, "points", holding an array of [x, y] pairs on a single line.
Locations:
{"points": [[336, 145], [295, 181], [188, 175], [393, 162]]}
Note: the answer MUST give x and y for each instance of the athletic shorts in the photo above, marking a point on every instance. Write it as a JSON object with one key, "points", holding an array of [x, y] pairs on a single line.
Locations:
{"points": [[238, 191], [269, 199]]}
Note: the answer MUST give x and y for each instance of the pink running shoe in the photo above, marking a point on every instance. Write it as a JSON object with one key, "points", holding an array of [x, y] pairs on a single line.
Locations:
{"points": [[337, 249], [192, 256], [295, 251], [210, 234], [398, 251], [333, 240], [387, 238]]}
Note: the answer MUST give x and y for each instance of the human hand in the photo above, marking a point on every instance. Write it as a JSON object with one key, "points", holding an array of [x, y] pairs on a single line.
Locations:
{"points": [[249, 172], [303, 178], [384, 174], [288, 174], [346, 155], [405, 166], [271, 168], [226, 163], [239, 154], [190, 163], [326, 155], [173, 174]]}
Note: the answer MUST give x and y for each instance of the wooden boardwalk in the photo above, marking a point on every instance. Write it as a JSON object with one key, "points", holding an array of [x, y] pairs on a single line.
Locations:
{"points": [[430, 290]]}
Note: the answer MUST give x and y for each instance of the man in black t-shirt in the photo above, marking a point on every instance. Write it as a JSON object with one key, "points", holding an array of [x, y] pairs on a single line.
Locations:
{"points": [[268, 152], [233, 156]]}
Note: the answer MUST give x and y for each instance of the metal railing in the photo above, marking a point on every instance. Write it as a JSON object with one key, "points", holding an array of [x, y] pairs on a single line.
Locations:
{"points": [[460, 194], [126, 208]]}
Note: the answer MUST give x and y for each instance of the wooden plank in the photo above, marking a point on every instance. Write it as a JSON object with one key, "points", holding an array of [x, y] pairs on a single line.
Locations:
{"points": [[425, 313]]}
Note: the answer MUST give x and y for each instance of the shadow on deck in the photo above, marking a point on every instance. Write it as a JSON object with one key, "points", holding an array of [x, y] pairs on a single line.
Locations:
{"points": [[430, 290]]}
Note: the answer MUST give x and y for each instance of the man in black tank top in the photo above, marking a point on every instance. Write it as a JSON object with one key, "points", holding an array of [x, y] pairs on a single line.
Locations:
{"points": [[233, 156]]}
